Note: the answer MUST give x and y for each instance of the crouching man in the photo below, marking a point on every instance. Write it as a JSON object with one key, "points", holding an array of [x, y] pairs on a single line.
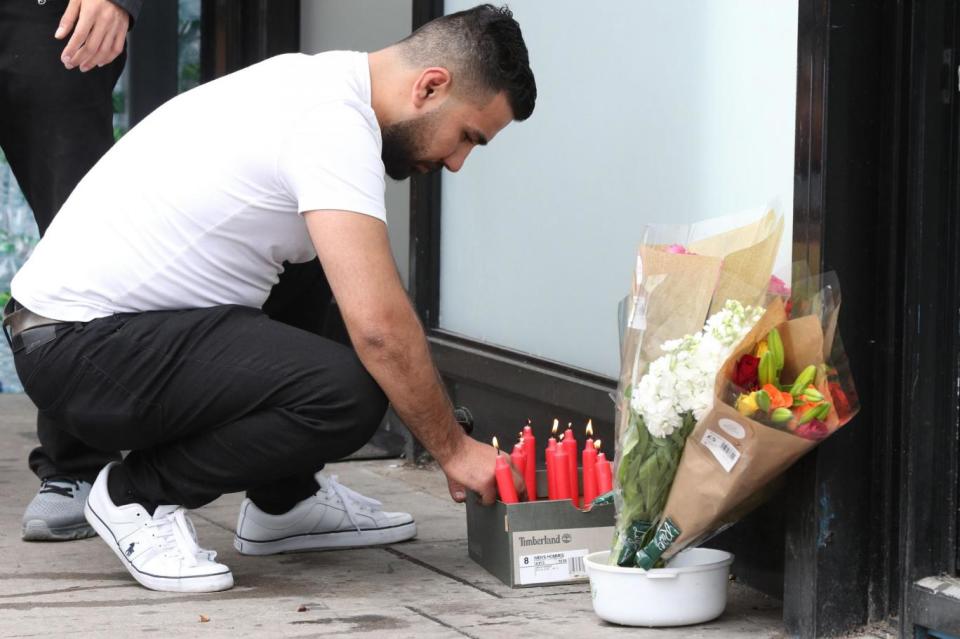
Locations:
{"points": [[137, 322]]}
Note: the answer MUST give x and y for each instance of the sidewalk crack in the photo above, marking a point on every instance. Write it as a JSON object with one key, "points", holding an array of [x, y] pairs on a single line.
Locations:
{"points": [[448, 575], [437, 620]]}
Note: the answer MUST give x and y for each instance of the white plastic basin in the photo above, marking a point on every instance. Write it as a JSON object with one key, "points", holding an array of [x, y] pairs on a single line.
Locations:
{"points": [[691, 589]]}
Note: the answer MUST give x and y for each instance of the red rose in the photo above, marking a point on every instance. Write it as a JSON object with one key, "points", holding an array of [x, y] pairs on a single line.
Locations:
{"points": [[814, 429], [745, 373]]}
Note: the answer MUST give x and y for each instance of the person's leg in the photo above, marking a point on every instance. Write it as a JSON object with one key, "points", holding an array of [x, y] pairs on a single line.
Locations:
{"points": [[54, 126], [57, 122], [301, 298], [209, 401]]}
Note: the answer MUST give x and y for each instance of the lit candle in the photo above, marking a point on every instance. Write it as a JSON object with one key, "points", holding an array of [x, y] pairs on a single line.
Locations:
{"points": [[530, 448], [562, 465], [519, 457], [504, 475], [570, 441], [589, 468], [604, 471]]}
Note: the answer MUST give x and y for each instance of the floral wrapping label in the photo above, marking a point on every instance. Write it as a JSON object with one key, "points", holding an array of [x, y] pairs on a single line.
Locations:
{"points": [[722, 450], [666, 534]]}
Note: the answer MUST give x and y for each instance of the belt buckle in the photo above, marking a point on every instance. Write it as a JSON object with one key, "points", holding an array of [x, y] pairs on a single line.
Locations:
{"points": [[8, 310]]}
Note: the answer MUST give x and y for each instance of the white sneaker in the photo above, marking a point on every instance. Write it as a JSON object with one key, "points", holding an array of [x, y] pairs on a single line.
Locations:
{"points": [[333, 517], [161, 552]]}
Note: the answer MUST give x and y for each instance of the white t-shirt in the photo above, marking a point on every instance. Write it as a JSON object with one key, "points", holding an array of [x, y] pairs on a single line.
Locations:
{"points": [[198, 205]]}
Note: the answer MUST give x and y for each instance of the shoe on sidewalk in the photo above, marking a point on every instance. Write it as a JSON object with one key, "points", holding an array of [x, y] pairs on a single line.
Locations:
{"points": [[56, 512], [161, 551], [333, 517]]}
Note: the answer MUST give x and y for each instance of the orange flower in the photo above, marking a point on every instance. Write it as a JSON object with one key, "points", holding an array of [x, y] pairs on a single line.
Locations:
{"points": [[778, 398]]}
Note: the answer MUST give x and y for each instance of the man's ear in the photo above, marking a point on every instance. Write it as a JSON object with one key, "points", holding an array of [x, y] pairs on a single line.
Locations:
{"points": [[432, 85]]}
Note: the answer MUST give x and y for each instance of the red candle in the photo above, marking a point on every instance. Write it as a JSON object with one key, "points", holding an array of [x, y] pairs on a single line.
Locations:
{"points": [[504, 474], [589, 468], [550, 455], [562, 464], [570, 441], [519, 457], [604, 472], [530, 448]]}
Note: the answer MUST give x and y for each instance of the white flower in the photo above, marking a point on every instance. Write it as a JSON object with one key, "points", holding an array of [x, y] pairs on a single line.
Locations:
{"points": [[681, 381]]}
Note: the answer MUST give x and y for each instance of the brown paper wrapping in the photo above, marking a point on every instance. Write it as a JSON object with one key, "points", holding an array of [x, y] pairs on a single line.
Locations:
{"points": [[704, 493], [678, 292]]}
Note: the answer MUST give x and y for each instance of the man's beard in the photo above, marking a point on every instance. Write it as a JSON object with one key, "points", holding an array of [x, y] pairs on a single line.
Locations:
{"points": [[403, 144]]}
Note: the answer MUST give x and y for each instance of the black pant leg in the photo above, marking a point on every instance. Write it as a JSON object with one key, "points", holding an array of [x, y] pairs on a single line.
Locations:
{"points": [[208, 401], [55, 124], [301, 298]]}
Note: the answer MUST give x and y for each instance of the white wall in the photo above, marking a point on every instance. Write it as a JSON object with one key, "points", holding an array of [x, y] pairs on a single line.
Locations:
{"points": [[648, 111], [365, 25]]}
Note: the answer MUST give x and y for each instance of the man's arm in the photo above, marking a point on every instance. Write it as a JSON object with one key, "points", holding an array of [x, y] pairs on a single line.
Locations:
{"points": [[99, 29], [355, 253]]}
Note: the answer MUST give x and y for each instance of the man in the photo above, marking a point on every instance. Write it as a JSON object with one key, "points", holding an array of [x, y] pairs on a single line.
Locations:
{"points": [[59, 62], [137, 324]]}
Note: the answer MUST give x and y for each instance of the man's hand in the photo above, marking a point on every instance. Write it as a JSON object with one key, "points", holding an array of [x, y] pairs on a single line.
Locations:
{"points": [[99, 30], [472, 467]]}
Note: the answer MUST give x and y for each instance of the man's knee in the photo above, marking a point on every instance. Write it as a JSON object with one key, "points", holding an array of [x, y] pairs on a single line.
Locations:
{"points": [[344, 401], [369, 403]]}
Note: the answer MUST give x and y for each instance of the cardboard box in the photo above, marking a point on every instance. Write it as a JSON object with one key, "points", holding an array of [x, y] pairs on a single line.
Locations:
{"points": [[537, 543]]}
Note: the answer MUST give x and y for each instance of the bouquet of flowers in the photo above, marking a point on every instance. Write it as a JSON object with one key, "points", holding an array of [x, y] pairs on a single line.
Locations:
{"points": [[695, 297], [722, 411], [785, 387]]}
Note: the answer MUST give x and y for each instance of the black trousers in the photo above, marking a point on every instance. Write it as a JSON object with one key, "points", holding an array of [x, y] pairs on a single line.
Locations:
{"points": [[54, 126], [208, 401]]}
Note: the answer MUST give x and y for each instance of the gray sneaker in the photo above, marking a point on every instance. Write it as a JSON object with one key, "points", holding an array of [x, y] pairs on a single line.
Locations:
{"points": [[56, 512]]}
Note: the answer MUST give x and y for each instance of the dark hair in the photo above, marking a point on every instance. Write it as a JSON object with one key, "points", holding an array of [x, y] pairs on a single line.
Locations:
{"points": [[484, 49]]}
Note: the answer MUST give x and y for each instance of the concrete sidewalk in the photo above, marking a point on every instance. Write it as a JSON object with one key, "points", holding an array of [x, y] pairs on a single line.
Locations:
{"points": [[424, 588]]}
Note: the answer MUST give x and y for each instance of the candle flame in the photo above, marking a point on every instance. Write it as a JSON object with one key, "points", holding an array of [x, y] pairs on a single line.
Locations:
{"points": [[496, 444], [562, 435], [520, 438], [570, 425], [529, 422], [596, 444], [556, 425], [589, 428]]}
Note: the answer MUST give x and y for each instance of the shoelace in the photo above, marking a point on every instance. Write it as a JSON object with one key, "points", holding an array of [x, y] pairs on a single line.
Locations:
{"points": [[60, 486], [351, 499], [177, 533]]}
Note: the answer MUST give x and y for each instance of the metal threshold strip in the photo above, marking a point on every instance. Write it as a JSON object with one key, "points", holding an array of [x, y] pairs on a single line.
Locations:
{"points": [[935, 606]]}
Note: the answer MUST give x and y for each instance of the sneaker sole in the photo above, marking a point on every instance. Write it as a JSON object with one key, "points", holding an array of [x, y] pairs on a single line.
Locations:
{"points": [[38, 530], [327, 541], [200, 583]]}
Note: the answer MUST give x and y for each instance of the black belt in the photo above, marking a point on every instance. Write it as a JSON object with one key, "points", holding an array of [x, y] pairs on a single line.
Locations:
{"points": [[25, 329]]}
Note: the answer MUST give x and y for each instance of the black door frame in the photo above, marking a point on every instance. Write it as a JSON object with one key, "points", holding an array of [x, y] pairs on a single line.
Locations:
{"points": [[238, 33], [152, 59], [930, 503], [842, 522]]}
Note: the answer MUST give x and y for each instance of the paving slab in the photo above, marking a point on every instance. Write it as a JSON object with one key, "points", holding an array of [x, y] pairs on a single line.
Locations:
{"points": [[427, 587]]}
